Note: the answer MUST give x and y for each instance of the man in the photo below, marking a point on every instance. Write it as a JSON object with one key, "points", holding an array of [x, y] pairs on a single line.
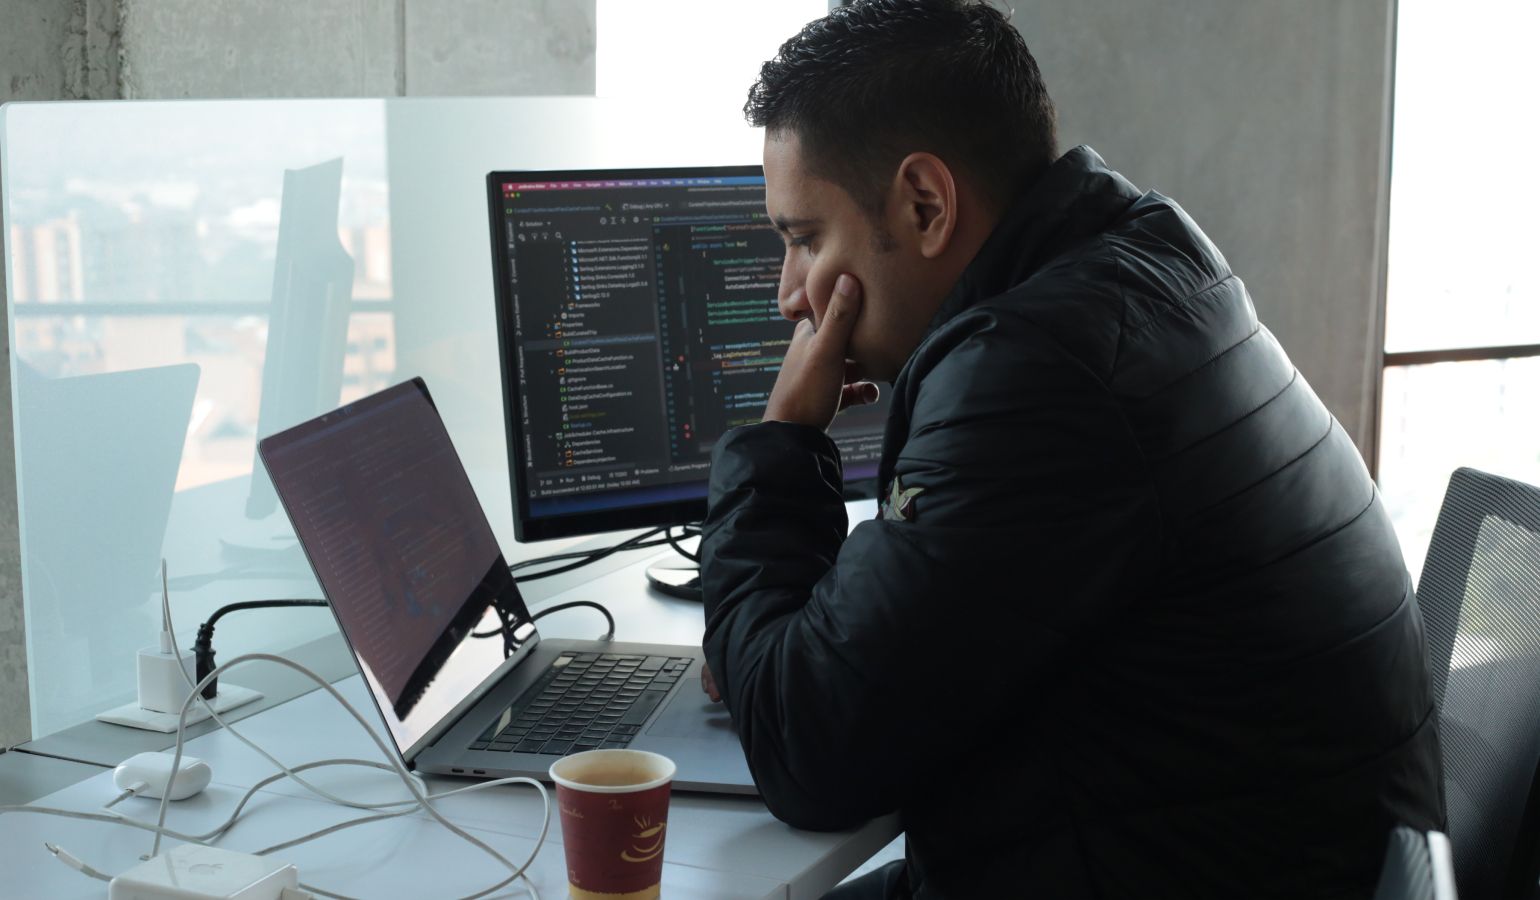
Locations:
{"points": [[1132, 621]]}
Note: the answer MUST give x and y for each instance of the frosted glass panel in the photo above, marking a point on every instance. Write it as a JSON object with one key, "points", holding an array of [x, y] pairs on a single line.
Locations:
{"points": [[184, 277]]}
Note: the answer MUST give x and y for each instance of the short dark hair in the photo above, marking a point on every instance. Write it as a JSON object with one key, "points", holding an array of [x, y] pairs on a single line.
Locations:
{"points": [[876, 80]]}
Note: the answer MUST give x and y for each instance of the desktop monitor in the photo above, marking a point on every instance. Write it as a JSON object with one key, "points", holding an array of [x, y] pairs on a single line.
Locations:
{"points": [[637, 322], [307, 330]]}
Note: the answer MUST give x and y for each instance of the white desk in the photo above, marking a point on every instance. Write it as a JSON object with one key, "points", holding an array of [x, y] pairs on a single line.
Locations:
{"points": [[718, 847]]}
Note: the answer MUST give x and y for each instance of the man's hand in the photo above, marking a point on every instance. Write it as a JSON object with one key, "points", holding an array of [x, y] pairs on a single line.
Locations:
{"points": [[709, 684], [816, 380]]}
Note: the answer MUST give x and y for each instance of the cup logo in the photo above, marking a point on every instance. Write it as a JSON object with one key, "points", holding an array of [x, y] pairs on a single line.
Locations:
{"points": [[646, 831]]}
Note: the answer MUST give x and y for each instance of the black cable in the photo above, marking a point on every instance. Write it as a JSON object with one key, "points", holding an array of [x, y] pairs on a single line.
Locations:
{"points": [[584, 554], [685, 533], [578, 554], [508, 622], [203, 645], [636, 542], [573, 604], [585, 557]]}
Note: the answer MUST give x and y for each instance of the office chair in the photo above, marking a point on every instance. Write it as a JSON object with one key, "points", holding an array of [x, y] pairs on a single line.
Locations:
{"points": [[1417, 867], [1480, 599]]}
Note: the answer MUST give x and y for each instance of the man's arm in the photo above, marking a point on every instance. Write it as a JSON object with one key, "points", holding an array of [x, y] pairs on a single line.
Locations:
{"points": [[844, 663]]}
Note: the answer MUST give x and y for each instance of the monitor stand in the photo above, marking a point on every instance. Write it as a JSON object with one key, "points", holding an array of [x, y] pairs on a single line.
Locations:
{"points": [[675, 576]]}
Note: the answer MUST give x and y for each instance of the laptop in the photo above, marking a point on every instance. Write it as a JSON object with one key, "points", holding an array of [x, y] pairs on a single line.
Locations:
{"points": [[403, 552]]}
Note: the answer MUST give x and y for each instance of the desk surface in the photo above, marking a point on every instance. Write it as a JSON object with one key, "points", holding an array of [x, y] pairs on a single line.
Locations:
{"points": [[719, 847]]}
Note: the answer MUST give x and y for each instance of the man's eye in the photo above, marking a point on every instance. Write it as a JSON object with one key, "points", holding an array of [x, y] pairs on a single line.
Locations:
{"points": [[805, 240]]}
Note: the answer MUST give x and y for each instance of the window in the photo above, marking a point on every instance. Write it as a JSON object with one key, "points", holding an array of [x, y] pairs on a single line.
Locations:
{"points": [[706, 49], [1461, 385]]}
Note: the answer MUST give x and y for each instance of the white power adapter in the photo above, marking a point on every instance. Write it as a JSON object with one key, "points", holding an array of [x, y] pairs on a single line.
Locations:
{"points": [[163, 673], [162, 688], [197, 872]]}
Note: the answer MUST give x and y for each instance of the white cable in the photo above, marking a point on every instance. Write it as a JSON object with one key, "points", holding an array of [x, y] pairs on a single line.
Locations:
{"points": [[420, 797], [69, 859], [220, 829], [411, 806], [419, 792], [390, 755], [114, 818], [170, 632]]}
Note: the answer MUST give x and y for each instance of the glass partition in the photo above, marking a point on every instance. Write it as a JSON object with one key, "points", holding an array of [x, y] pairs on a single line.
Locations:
{"points": [[184, 277]]}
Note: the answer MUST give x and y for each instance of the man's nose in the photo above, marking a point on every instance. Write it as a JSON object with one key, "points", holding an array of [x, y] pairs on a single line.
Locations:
{"points": [[791, 298], [794, 305]]}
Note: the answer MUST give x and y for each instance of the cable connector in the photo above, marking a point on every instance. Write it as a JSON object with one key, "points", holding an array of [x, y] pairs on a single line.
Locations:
{"points": [[69, 859]]}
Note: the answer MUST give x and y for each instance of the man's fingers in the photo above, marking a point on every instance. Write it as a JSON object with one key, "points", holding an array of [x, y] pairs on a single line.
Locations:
{"points": [[859, 394], [840, 316]]}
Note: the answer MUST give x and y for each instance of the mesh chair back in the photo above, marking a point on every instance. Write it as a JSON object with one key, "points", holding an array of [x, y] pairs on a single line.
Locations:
{"points": [[1480, 599], [1417, 867]]}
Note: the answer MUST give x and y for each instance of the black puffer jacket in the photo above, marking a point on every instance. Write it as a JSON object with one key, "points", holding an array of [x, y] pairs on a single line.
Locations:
{"points": [[1134, 622]]}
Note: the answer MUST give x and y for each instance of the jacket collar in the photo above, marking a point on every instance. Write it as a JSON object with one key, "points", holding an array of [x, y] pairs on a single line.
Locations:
{"points": [[1077, 198]]}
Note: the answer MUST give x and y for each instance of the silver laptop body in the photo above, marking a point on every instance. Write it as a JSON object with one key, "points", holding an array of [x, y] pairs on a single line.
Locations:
{"points": [[403, 552]]}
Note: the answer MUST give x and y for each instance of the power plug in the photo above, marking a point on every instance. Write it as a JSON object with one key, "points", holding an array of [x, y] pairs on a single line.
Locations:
{"points": [[197, 872], [164, 679]]}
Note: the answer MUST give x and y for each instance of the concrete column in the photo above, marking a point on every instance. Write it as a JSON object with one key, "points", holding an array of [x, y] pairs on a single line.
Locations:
{"points": [[15, 712], [1269, 123], [49, 50]]}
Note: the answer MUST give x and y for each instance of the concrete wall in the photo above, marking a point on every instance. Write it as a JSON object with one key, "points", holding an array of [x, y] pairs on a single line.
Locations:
{"points": [[49, 50], [1267, 121], [348, 48], [138, 49], [58, 49]]}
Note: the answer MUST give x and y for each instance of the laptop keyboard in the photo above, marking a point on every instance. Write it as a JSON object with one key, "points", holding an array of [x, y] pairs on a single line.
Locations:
{"points": [[584, 701]]}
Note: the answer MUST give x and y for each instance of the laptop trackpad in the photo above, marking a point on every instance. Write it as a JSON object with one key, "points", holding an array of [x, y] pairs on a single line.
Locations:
{"points": [[691, 714]]}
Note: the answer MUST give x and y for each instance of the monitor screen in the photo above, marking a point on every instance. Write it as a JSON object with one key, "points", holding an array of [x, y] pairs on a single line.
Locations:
{"points": [[638, 322]]}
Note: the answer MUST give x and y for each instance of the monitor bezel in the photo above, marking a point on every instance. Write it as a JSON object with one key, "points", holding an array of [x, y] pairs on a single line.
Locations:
{"points": [[526, 527]]}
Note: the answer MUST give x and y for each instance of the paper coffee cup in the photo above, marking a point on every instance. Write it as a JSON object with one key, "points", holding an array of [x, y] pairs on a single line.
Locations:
{"points": [[614, 817]]}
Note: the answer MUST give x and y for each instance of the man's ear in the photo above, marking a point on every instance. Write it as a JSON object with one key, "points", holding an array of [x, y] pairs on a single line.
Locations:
{"points": [[927, 196]]}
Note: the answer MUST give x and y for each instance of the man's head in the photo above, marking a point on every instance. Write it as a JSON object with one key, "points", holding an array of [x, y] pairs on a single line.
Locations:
{"points": [[896, 132]]}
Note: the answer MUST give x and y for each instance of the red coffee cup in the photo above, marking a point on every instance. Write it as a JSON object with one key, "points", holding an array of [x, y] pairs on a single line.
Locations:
{"points": [[614, 817]]}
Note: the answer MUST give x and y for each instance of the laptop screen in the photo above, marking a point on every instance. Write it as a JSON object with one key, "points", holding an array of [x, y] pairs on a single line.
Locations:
{"points": [[403, 552]]}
